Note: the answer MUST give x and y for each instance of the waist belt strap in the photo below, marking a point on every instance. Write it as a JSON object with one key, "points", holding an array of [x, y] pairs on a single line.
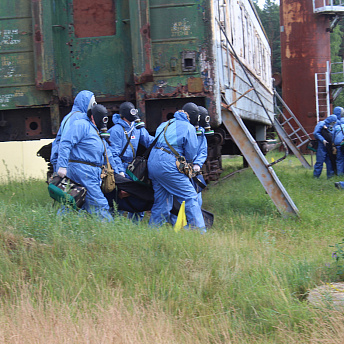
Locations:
{"points": [[164, 150], [84, 162]]}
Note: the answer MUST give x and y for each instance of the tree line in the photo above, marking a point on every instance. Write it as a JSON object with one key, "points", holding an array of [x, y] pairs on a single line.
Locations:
{"points": [[270, 17]]}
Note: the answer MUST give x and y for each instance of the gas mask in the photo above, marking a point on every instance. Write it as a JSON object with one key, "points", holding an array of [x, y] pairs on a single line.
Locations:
{"points": [[104, 134], [130, 113], [198, 130], [331, 125], [194, 115], [205, 121], [137, 121], [100, 116]]}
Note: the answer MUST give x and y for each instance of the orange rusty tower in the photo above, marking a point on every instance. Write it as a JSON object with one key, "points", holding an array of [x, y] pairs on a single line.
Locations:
{"points": [[305, 28]]}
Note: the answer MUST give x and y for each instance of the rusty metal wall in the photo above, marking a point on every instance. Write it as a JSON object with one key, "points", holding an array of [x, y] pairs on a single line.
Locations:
{"points": [[305, 49], [172, 49], [157, 53], [52, 49], [17, 72]]}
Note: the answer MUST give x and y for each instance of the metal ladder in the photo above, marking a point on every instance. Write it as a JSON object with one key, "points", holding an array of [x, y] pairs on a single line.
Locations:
{"points": [[297, 136], [322, 95], [257, 161]]}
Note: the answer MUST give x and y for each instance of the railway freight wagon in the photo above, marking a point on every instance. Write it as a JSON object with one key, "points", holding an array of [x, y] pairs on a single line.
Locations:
{"points": [[158, 54]]}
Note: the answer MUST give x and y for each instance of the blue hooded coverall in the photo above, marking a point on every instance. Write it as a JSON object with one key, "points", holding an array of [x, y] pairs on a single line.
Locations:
{"points": [[119, 140], [81, 142], [338, 134], [79, 111], [322, 155], [338, 111], [167, 180], [201, 157]]}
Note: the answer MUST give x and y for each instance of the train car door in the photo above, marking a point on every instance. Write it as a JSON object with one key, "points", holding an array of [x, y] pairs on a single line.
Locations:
{"points": [[97, 38]]}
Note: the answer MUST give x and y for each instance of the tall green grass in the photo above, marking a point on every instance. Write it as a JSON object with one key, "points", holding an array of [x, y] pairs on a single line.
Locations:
{"points": [[74, 279]]}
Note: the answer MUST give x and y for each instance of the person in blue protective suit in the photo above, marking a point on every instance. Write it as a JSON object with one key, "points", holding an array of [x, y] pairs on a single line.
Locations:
{"points": [[81, 155], [323, 132], [202, 152], [339, 185], [338, 140], [125, 136], [195, 114], [166, 179], [83, 102], [338, 111]]}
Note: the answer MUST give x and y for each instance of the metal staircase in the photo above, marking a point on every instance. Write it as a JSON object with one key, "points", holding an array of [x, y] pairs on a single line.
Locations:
{"points": [[290, 129], [249, 147], [257, 161]]}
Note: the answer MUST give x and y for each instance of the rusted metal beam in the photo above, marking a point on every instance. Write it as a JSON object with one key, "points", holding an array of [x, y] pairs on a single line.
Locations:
{"points": [[255, 158], [43, 48], [244, 94], [281, 133], [141, 43]]}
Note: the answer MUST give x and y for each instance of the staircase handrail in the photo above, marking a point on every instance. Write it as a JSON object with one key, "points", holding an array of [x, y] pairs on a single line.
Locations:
{"points": [[291, 114]]}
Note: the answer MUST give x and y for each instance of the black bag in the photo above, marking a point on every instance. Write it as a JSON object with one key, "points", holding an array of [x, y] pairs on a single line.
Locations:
{"points": [[327, 135], [198, 183], [137, 170], [330, 147], [130, 196], [66, 191]]}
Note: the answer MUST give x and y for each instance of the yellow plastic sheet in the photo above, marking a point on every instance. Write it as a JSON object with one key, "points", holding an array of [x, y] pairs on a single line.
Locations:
{"points": [[181, 219]]}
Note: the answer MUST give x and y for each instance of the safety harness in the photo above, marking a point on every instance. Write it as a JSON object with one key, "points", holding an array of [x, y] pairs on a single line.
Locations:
{"points": [[127, 144], [182, 165]]}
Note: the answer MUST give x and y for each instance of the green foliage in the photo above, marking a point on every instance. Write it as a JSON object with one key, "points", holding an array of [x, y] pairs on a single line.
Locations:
{"points": [[250, 273], [270, 19], [337, 60], [338, 255]]}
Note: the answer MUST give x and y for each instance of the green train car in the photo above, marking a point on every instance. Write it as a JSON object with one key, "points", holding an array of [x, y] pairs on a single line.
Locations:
{"points": [[158, 54]]}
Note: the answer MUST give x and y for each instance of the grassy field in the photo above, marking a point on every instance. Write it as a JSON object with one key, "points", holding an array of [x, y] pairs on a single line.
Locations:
{"points": [[71, 279]]}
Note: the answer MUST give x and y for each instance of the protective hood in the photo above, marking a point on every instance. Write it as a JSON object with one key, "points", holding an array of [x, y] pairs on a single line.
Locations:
{"points": [[115, 118], [330, 119], [83, 100], [338, 111], [181, 116], [193, 112]]}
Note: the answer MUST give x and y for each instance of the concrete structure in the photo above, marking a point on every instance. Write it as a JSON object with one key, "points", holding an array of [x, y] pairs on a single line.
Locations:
{"points": [[18, 160]]}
